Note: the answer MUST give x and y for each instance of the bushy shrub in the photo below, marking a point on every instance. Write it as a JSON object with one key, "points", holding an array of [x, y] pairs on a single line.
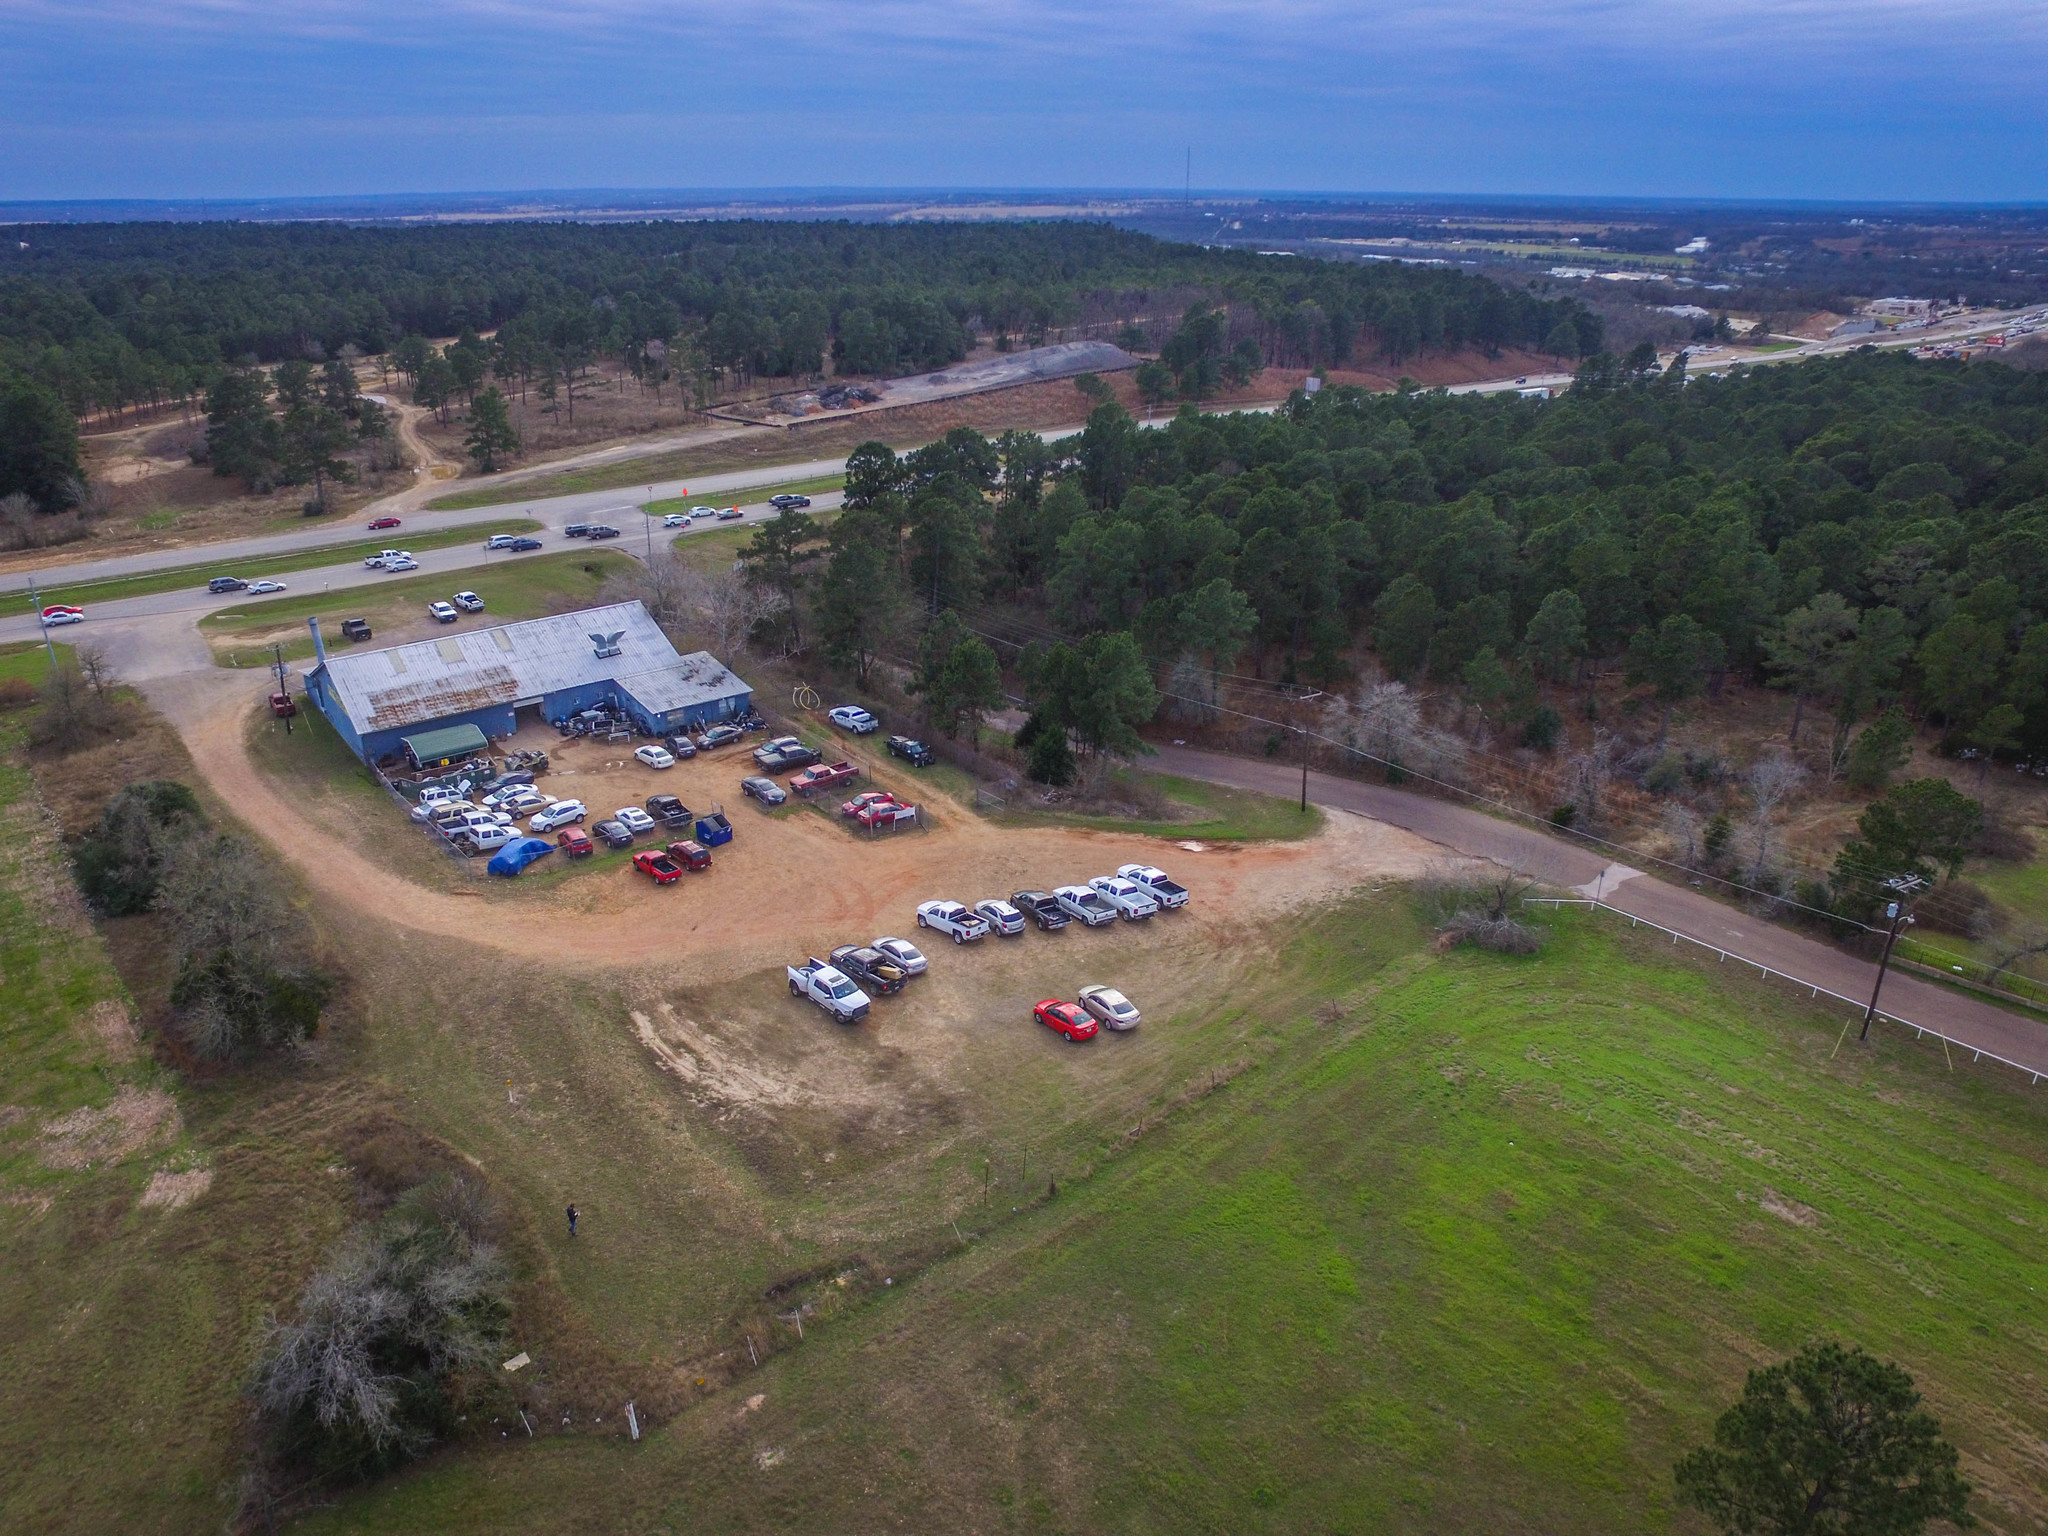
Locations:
{"points": [[1542, 729], [1479, 904], [395, 1335], [120, 862]]}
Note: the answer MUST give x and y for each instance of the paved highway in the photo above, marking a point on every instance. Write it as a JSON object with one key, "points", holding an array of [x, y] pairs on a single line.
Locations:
{"points": [[1565, 865]]}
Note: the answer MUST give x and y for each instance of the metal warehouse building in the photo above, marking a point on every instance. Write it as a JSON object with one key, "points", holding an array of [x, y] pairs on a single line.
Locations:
{"points": [[486, 677]]}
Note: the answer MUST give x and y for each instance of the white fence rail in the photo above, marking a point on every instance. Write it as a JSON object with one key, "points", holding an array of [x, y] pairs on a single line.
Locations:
{"points": [[1814, 988]]}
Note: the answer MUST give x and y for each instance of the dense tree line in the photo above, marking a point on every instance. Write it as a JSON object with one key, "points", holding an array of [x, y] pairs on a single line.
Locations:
{"points": [[1870, 534], [110, 316]]}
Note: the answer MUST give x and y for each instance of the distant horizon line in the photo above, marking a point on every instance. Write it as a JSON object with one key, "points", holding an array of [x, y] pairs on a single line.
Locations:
{"points": [[623, 200]]}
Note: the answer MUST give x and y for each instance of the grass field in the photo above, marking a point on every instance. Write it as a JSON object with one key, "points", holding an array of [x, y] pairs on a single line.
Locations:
{"points": [[1430, 1243], [522, 587], [27, 661], [753, 493], [1210, 813], [198, 574]]}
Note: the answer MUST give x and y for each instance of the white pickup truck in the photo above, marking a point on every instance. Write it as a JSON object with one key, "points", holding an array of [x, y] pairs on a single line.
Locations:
{"points": [[1127, 896], [830, 989], [963, 924], [384, 557], [1168, 893], [1085, 904]]}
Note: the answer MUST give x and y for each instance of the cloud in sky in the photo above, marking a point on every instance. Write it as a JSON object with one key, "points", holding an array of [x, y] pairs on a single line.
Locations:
{"points": [[1805, 98]]}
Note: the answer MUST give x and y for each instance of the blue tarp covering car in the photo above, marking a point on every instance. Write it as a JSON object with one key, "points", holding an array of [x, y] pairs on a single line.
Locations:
{"points": [[515, 856]]}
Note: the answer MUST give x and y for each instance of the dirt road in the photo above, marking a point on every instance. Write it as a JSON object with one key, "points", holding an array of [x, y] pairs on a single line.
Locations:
{"points": [[1553, 861], [784, 888]]}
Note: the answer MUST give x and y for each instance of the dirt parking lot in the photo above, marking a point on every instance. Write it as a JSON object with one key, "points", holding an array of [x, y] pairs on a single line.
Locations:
{"points": [[790, 883]]}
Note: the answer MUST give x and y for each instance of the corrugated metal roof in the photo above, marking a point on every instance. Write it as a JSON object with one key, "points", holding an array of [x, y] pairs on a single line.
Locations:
{"points": [[430, 679]]}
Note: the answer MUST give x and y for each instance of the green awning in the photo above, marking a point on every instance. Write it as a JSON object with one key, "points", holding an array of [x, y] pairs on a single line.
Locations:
{"points": [[445, 745]]}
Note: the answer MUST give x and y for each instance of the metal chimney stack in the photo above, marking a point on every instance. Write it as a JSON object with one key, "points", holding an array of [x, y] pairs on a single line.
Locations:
{"points": [[319, 645]]}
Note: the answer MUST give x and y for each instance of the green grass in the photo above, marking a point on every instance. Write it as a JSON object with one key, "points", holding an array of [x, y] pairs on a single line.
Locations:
{"points": [[198, 573], [26, 661], [522, 587], [1465, 1243], [1210, 813]]}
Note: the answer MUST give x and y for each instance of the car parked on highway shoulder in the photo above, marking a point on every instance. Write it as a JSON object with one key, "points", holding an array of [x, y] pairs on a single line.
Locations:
{"points": [[1001, 916], [1065, 1019], [635, 819], [655, 757], [1130, 899], [765, 790], [613, 834], [1041, 908], [266, 585], [1085, 903], [719, 736], [1165, 891], [959, 923], [911, 750], [562, 813], [904, 953], [851, 717], [445, 612], [469, 602], [1110, 1006]]}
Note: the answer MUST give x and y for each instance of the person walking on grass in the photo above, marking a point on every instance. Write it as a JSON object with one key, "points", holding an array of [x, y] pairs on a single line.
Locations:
{"points": [[572, 1221]]}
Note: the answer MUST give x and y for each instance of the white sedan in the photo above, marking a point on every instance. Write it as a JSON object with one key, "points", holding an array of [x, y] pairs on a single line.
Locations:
{"points": [[904, 953], [633, 819], [703, 511], [55, 616], [676, 520], [1110, 1006], [402, 563], [655, 757], [1131, 900], [562, 813], [266, 585], [851, 717], [962, 924], [1001, 916]]}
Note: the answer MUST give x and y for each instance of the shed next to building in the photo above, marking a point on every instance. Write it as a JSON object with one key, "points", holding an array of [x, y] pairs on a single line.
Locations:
{"points": [[482, 678]]}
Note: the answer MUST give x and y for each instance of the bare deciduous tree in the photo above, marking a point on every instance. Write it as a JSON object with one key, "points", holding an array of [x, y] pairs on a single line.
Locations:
{"points": [[722, 608], [1773, 778]]}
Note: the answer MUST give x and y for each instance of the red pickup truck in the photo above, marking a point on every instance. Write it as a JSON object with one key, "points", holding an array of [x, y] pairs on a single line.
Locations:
{"points": [[823, 776], [664, 869]]}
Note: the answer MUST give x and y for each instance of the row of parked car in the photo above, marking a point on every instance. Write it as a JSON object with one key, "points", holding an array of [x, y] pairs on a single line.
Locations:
{"points": [[842, 984]]}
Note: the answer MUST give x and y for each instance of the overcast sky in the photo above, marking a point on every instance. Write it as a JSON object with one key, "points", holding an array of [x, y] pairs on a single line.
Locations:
{"points": [[1875, 99]]}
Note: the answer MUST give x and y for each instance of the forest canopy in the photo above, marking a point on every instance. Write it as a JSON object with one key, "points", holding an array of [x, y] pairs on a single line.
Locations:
{"points": [[115, 315]]}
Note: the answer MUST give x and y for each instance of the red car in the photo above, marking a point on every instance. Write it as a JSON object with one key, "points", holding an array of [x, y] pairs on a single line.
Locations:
{"points": [[1068, 1019], [690, 855], [861, 802], [664, 869], [385, 522], [575, 843]]}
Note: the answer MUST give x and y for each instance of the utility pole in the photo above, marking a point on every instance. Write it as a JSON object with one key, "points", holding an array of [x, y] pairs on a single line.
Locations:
{"points": [[1301, 725], [1904, 886], [277, 650], [35, 604]]}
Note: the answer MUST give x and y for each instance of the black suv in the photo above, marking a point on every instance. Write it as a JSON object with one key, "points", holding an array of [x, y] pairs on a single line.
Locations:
{"points": [[1041, 909], [911, 750], [670, 812], [227, 584], [680, 746], [575, 530]]}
